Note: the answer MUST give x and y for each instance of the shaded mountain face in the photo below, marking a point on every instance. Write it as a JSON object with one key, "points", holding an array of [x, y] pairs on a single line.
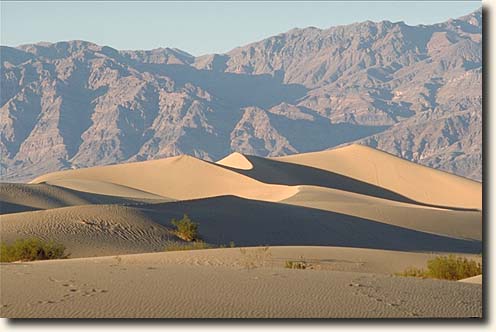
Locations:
{"points": [[414, 91]]}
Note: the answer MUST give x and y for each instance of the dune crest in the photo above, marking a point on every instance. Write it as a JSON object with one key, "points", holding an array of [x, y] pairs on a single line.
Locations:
{"points": [[180, 178], [454, 223], [103, 188], [236, 160], [417, 182], [352, 216], [351, 196]]}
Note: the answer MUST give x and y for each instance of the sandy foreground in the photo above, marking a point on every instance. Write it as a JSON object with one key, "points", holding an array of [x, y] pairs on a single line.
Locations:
{"points": [[354, 215], [235, 283]]}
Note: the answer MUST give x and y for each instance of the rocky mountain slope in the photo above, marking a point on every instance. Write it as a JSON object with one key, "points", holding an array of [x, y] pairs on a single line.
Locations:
{"points": [[414, 91]]}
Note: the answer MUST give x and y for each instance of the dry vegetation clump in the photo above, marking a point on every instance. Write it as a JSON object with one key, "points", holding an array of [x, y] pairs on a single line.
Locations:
{"points": [[31, 249], [413, 272], [255, 257], [446, 267], [196, 245], [186, 229], [177, 246], [297, 265]]}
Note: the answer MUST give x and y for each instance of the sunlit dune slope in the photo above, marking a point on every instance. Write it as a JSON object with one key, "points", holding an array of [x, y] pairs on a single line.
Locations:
{"points": [[454, 223], [236, 160], [384, 170], [180, 178], [104, 188], [20, 197]]}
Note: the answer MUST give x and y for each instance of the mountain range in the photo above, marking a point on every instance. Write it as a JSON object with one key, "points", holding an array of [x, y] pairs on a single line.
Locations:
{"points": [[412, 91]]}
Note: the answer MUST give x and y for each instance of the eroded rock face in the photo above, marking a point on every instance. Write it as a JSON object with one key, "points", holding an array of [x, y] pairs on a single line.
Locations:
{"points": [[414, 91]]}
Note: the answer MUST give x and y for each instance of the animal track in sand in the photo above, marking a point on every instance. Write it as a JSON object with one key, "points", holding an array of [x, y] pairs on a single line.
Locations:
{"points": [[74, 290], [365, 286]]}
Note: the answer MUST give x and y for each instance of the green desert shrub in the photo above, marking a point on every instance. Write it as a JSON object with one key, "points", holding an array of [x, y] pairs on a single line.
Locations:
{"points": [[197, 245], [446, 267], [453, 268], [186, 229], [31, 249]]}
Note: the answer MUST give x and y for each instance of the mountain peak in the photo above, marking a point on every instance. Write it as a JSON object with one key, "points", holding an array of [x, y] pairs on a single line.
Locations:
{"points": [[386, 85]]}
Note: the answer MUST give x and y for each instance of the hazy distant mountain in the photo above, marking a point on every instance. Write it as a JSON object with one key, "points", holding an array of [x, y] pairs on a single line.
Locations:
{"points": [[414, 91]]}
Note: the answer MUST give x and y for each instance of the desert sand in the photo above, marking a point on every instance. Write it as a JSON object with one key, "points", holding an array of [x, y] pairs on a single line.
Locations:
{"points": [[473, 280], [355, 215], [227, 283]]}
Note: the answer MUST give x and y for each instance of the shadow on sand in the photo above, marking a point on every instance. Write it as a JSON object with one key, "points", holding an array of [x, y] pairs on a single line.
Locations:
{"points": [[253, 223]]}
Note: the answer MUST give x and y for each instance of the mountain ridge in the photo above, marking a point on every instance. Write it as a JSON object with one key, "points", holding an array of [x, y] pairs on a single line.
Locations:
{"points": [[388, 85]]}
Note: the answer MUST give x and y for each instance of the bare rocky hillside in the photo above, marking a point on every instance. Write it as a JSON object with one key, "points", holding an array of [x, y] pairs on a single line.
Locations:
{"points": [[414, 91]]}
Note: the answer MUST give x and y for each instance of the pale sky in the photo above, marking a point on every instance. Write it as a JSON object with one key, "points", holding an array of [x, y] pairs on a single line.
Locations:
{"points": [[200, 27]]}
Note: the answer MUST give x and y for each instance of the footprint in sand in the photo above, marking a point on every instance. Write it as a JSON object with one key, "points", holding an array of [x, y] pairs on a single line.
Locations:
{"points": [[74, 290], [367, 289]]}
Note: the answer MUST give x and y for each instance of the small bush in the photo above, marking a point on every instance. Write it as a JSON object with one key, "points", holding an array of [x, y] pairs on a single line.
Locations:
{"points": [[31, 249], [198, 245], [186, 229], [298, 265], [453, 268], [446, 267]]}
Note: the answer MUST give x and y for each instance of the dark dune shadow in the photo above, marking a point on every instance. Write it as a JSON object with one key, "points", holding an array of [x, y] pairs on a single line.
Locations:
{"points": [[6, 208], [251, 223], [277, 172], [237, 90]]}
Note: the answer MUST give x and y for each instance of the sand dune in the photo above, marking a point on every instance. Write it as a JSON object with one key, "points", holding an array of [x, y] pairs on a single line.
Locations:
{"points": [[354, 168], [302, 205], [375, 213], [191, 285], [104, 188], [251, 222], [18, 197], [94, 230], [89, 230], [473, 280], [34, 197], [345, 259], [282, 173], [343, 194], [405, 178], [179, 178], [236, 160], [452, 223]]}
